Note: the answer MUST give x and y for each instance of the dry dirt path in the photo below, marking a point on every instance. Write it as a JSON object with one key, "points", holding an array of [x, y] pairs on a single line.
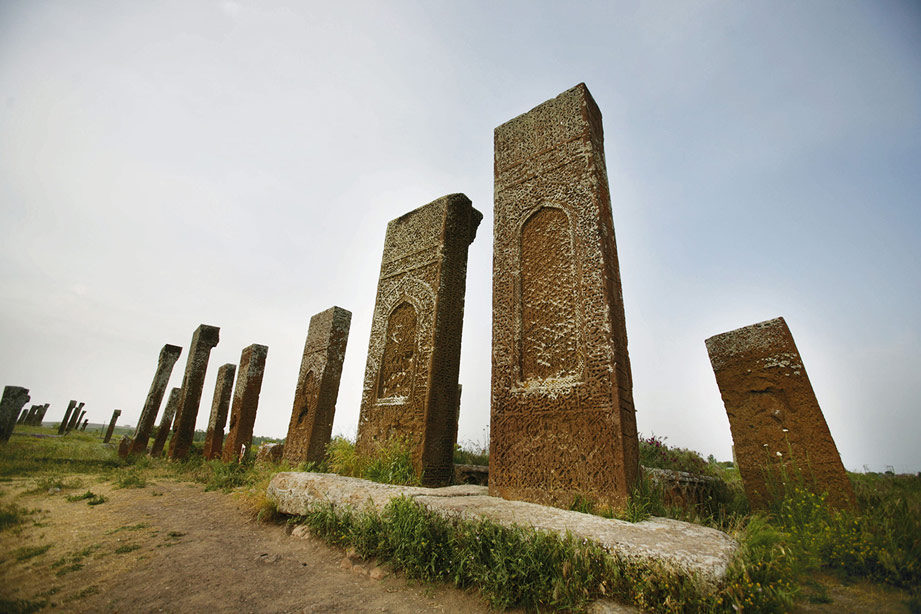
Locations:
{"points": [[171, 547]]}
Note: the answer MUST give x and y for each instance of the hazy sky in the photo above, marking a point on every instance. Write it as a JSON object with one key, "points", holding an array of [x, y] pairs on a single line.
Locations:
{"points": [[167, 164]]}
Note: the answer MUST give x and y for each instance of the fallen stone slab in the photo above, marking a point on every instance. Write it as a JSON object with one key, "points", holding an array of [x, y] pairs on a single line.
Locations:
{"points": [[684, 547]]}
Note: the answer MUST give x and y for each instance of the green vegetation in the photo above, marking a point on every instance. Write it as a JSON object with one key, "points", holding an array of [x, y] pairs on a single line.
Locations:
{"points": [[20, 606], [11, 515], [391, 464], [127, 548], [28, 552]]}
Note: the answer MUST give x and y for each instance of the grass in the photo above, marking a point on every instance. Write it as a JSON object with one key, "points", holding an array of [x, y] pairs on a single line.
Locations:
{"points": [[127, 548], [390, 463], [28, 552], [12, 515]]}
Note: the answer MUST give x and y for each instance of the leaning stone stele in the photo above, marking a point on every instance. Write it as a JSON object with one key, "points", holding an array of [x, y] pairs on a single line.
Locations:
{"points": [[111, 428], [14, 397], [317, 389], [410, 386], [245, 402], [220, 406], [166, 422], [203, 340], [563, 423], [70, 408], [169, 354], [774, 416]]}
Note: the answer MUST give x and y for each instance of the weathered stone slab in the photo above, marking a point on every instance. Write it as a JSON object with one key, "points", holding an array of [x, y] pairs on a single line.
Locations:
{"points": [[471, 474], [111, 429], [85, 422], [410, 386], [220, 407], [169, 354], [562, 419], [124, 446], [685, 547], [204, 338], [317, 389], [14, 397], [22, 416], [270, 453], [30, 416], [245, 401], [42, 410], [63, 426], [75, 417], [166, 422], [774, 416]]}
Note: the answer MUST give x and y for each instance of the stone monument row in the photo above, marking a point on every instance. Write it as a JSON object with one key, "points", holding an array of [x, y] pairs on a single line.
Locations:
{"points": [[168, 357], [166, 422], [220, 406], [203, 340], [245, 401]]}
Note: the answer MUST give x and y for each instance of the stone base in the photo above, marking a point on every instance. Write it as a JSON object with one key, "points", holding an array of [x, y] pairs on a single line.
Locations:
{"points": [[686, 548]]}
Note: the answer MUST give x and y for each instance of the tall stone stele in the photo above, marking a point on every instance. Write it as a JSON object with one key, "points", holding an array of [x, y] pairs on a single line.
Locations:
{"points": [[204, 338], [317, 386], [410, 386], [774, 416], [166, 422], [76, 417], [111, 429], [14, 397], [169, 354], [563, 423], [220, 406], [70, 408], [245, 402]]}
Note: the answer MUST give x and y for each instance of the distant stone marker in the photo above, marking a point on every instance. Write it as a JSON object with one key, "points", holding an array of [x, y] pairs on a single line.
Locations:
{"points": [[317, 389], [42, 410], [774, 415], [30, 416], [220, 405], [166, 422], [22, 416], [75, 417], [563, 423], [169, 354], [63, 426], [85, 422], [14, 397], [245, 401], [410, 386], [111, 429], [204, 338]]}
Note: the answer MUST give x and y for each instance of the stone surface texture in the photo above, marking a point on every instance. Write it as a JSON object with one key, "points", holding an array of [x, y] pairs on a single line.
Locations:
{"points": [[317, 389], [42, 410], [203, 340], [30, 416], [774, 416], [270, 453], [63, 426], [562, 416], [111, 429], [167, 422], [245, 401], [22, 416], [169, 354], [14, 397], [220, 407], [687, 548], [75, 417], [410, 385], [124, 446]]}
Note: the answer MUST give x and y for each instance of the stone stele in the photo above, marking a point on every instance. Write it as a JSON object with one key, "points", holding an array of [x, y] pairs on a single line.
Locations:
{"points": [[562, 419], [63, 426], [42, 410], [168, 357], [14, 397], [245, 401], [111, 429], [220, 406], [75, 417], [317, 387], [166, 422], [774, 415], [410, 386], [204, 338]]}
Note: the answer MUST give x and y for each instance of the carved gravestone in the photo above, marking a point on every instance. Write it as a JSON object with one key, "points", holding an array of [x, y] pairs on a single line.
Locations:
{"points": [[111, 429], [63, 426], [14, 397], [169, 354], [166, 422], [204, 338], [774, 415], [317, 387], [410, 386], [562, 418], [220, 405], [245, 401]]}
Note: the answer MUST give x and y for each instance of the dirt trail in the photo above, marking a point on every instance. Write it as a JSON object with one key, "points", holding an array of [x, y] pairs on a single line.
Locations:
{"points": [[171, 547]]}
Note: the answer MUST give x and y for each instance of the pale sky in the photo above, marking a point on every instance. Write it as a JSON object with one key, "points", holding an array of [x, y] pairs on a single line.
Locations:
{"points": [[167, 164]]}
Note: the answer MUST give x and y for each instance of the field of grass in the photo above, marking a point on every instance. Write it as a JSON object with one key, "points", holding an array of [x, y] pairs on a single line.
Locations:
{"points": [[783, 548]]}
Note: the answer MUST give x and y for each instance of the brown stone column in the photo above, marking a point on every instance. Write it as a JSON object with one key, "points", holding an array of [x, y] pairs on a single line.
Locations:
{"points": [[168, 357], [220, 406], [562, 416], [14, 397], [317, 386], [42, 410], [774, 416], [75, 417], [30, 416], [205, 338], [115, 415], [245, 401], [166, 422], [410, 386], [85, 422], [22, 416], [63, 426]]}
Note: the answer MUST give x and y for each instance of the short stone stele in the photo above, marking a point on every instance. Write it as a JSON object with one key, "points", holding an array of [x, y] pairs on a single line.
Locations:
{"points": [[203, 340], [169, 354], [317, 386], [14, 397], [245, 401], [410, 386], [774, 415], [562, 417], [220, 406], [111, 429]]}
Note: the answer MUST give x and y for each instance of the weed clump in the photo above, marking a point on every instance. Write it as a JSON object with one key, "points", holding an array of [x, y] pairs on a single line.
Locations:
{"points": [[390, 463]]}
